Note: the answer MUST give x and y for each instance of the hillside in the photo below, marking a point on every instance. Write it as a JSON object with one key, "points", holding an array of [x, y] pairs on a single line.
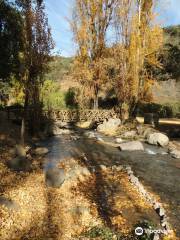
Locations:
{"points": [[59, 67]]}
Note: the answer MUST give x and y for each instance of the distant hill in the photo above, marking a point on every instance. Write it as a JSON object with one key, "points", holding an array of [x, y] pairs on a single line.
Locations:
{"points": [[59, 68]]}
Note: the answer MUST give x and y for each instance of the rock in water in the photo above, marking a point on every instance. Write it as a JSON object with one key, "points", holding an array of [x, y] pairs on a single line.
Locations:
{"points": [[175, 153], [131, 146], [129, 134], [85, 124], [118, 140], [158, 139], [41, 151], [54, 177]]}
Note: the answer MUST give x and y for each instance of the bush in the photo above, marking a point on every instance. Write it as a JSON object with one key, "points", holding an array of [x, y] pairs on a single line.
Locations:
{"points": [[167, 110], [53, 98]]}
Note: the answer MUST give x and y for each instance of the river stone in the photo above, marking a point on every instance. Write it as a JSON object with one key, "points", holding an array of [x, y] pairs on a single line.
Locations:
{"points": [[118, 140], [61, 124], [85, 124], [131, 146], [8, 203], [129, 134], [175, 153], [111, 125], [99, 139], [158, 139], [41, 151], [54, 177], [19, 164], [90, 134]]}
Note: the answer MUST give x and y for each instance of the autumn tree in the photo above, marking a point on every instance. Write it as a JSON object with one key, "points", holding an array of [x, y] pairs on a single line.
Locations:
{"points": [[138, 42], [35, 57], [91, 19]]}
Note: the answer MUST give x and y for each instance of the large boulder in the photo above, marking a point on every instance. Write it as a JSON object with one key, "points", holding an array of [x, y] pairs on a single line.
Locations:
{"points": [[158, 139], [131, 146], [54, 177], [109, 126]]}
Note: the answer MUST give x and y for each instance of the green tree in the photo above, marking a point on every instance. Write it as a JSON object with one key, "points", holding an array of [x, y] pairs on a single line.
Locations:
{"points": [[10, 40], [35, 58]]}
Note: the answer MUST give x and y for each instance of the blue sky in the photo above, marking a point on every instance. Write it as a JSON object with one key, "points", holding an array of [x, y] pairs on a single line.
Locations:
{"points": [[60, 10]]}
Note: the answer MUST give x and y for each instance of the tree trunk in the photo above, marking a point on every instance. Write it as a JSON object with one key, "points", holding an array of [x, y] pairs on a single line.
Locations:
{"points": [[96, 102], [23, 123]]}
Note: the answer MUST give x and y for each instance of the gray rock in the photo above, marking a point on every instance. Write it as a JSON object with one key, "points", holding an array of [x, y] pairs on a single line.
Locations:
{"points": [[55, 130], [161, 212], [103, 167], [142, 190], [156, 205], [131, 146], [134, 180], [19, 164], [54, 177], [100, 139], [158, 139], [117, 168], [61, 124], [8, 203], [128, 168], [111, 125], [129, 134], [90, 134], [175, 153], [147, 132], [119, 140], [41, 151]]}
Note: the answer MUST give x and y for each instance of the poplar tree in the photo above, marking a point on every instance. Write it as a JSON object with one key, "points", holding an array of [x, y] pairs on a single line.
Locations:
{"points": [[91, 20], [34, 59], [139, 40]]}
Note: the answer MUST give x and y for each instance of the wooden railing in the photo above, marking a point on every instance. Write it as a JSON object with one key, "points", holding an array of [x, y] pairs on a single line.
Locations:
{"points": [[67, 115]]}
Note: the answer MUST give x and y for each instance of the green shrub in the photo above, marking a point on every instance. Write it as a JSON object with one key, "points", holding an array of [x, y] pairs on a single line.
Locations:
{"points": [[53, 98], [104, 233], [167, 110]]}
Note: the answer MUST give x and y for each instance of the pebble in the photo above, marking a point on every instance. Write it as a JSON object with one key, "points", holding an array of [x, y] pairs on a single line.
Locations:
{"points": [[103, 167]]}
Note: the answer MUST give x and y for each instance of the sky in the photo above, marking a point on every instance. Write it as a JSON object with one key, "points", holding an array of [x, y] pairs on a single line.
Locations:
{"points": [[59, 11]]}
